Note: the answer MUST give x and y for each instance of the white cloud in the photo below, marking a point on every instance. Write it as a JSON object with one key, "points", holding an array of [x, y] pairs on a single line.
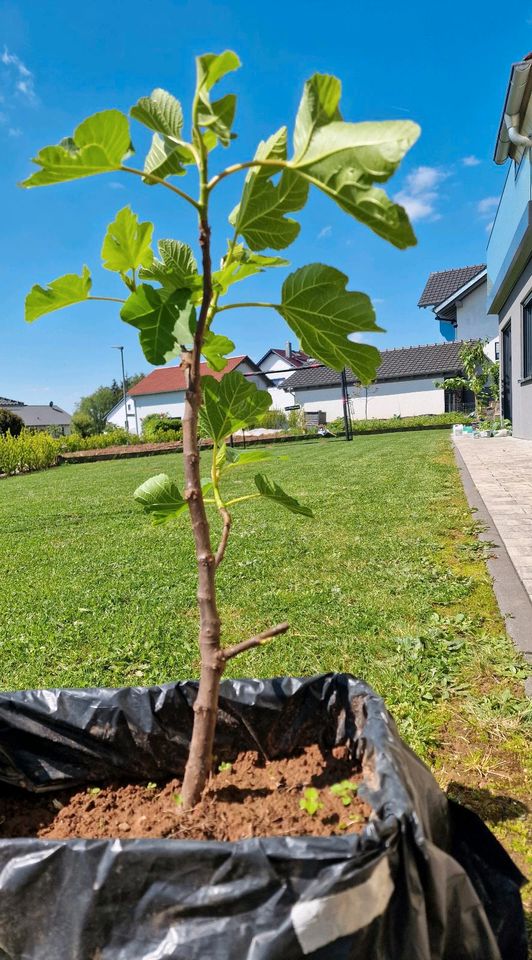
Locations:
{"points": [[19, 78], [116, 185], [486, 206], [421, 193], [471, 161], [489, 226], [324, 232]]}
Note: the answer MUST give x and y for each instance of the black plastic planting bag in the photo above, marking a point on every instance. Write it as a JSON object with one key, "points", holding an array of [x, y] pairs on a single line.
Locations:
{"points": [[425, 880]]}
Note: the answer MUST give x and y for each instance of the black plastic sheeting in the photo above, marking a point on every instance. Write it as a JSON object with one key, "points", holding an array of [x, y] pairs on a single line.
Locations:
{"points": [[426, 880]]}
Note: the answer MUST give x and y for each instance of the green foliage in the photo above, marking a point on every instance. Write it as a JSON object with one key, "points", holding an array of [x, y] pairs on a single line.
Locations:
{"points": [[272, 491], [10, 423], [97, 406], [345, 791], [27, 451], [177, 269], [161, 498], [345, 159], [310, 801], [99, 145], [164, 320], [239, 264], [157, 428], [230, 404], [399, 423], [215, 348], [260, 217], [215, 116], [274, 420], [117, 437], [481, 375], [62, 292], [82, 424], [127, 243], [168, 153], [323, 314]]}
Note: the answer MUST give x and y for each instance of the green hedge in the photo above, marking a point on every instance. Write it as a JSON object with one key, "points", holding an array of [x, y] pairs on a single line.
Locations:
{"points": [[28, 451], [401, 423], [98, 441]]}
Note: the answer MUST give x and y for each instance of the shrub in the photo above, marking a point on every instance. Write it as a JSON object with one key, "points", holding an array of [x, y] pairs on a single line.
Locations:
{"points": [[160, 428], [117, 437], [273, 420], [82, 424], [10, 423], [399, 423], [28, 451]]}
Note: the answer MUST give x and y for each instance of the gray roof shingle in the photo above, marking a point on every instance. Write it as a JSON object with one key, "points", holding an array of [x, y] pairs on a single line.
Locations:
{"points": [[4, 402], [443, 283], [40, 415], [405, 363]]}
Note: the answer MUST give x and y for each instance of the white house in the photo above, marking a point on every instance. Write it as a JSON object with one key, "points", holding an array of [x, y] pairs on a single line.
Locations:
{"points": [[163, 392], [459, 300], [510, 251], [279, 365], [404, 387]]}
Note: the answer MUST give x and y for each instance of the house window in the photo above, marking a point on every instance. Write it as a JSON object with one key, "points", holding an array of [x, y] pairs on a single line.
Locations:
{"points": [[527, 339], [497, 350]]}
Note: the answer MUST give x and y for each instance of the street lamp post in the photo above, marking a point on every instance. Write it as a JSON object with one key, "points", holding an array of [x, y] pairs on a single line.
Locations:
{"points": [[123, 386]]}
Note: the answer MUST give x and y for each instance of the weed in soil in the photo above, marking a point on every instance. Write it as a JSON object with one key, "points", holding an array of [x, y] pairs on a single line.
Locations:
{"points": [[249, 797]]}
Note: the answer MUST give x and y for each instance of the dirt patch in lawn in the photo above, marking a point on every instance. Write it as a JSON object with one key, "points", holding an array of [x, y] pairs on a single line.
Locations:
{"points": [[250, 797]]}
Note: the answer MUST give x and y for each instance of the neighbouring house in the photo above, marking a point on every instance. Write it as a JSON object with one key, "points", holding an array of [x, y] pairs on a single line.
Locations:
{"points": [[404, 386], [509, 255], [458, 298], [38, 416], [163, 391], [279, 364]]}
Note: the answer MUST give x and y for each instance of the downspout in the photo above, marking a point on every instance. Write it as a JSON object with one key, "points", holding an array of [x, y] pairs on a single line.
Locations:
{"points": [[512, 123]]}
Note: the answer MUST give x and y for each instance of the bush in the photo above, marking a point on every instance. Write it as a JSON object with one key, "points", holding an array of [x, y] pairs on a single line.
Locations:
{"points": [[10, 423], [82, 424], [160, 428], [400, 423], [118, 437], [28, 451], [273, 420]]}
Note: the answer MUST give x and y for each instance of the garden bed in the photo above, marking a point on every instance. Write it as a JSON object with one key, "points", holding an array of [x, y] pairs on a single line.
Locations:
{"points": [[246, 798]]}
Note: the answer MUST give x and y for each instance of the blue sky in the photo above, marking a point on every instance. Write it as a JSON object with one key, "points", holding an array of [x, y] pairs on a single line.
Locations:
{"points": [[60, 63]]}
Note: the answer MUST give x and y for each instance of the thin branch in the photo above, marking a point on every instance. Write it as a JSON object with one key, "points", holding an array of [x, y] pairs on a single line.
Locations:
{"points": [[111, 299], [224, 513], [236, 167], [164, 183], [257, 641], [234, 306]]}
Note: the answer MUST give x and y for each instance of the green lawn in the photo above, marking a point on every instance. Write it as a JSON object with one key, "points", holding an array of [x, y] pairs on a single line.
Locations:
{"points": [[387, 582]]}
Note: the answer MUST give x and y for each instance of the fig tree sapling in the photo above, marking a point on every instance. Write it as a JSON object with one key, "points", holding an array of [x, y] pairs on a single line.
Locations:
{"points": [[177, 305]]}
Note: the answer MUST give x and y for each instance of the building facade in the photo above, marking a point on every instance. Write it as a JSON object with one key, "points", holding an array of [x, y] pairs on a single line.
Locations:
{"points": [[163, 392], [458, 298], [405, 385], [509, 258], [278, 365]]}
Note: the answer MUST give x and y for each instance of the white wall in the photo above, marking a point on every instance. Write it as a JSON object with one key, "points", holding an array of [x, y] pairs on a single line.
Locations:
{"points": [[172, 404], [277, 368], [472, 321], [404, 398], [521, 390]]}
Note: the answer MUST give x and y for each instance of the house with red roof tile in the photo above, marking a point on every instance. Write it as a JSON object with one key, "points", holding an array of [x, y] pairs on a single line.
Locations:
{"points": [[163, 391]]}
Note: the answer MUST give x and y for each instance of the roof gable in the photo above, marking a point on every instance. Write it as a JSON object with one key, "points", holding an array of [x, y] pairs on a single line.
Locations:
{"points": [[404, 363], [296, 359], [443, 283], [172, 379]]}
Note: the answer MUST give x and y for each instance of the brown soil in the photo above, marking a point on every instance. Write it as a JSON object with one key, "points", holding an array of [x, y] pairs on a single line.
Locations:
{"points": [[252, 798]]}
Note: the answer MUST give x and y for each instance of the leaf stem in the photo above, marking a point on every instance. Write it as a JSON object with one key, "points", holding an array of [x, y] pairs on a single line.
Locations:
{"points": [[164, 183], [111, 299], [235, 306], [248, 496], [236, 167]]}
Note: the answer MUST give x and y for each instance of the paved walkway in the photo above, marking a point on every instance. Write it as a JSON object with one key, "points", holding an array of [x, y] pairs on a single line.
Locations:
{"points": [[501, 471]]}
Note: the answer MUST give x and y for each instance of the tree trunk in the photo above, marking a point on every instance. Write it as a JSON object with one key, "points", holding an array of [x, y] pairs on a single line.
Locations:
{"points": [[199, 761]]}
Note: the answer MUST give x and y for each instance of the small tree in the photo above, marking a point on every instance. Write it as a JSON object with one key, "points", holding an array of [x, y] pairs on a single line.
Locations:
{"points": [[174, 306], [82, 424], [10, 423], [481, 376]]}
